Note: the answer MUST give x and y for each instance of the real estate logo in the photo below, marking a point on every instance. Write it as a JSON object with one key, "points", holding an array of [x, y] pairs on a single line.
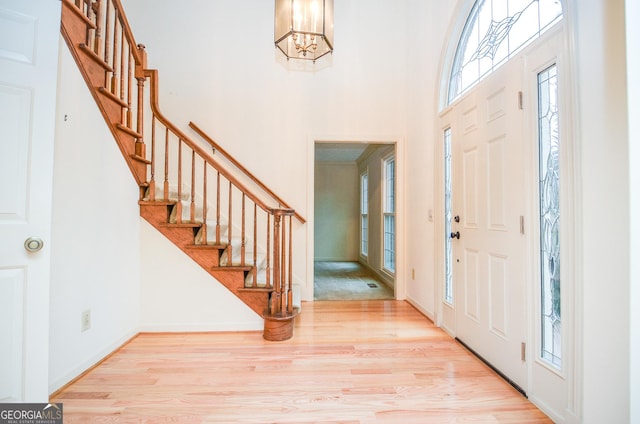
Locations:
{"points": [[30, 413]]}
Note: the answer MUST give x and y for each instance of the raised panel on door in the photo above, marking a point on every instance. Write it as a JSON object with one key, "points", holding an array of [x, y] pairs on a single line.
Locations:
{"points": [[471, 281], [497, 175], [498, 295]]}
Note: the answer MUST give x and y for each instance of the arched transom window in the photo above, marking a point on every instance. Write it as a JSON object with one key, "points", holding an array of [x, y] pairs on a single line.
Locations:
{"points": [[496, 30]]}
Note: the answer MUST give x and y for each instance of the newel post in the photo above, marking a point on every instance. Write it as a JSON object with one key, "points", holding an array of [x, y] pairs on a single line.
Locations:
{"points": [[280, 314]]}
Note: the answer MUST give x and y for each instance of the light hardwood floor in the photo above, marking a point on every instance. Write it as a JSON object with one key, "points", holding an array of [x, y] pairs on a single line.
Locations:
{"points": [[350, 362]]}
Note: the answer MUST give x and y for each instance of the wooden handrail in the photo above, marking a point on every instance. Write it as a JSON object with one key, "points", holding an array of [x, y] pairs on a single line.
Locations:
{"points": [[237, 164], [152, 74]]}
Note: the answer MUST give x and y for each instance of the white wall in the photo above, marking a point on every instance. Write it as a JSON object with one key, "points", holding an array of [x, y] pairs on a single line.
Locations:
{"points": [[603, 202], [428, 26], [218, 67], [337, 212], [178, 295], [632, 10], [95, 259]]}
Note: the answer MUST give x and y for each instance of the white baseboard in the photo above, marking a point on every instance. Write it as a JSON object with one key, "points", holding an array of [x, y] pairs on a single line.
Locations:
{"points": [[91, 362], [200, 327], [422, 310]]}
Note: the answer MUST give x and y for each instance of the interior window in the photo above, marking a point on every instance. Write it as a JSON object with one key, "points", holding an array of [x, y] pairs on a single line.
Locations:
{"points": [[364, 214], [389, 212]]}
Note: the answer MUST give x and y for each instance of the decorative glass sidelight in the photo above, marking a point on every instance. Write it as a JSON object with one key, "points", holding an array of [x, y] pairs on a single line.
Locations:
{"points": [[496, 30], [549, 173], [448, 216]]}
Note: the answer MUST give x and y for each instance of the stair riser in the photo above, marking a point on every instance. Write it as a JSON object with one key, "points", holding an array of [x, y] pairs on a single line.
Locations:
{"points": [[180, 236], [208, 258], [156, 214]]}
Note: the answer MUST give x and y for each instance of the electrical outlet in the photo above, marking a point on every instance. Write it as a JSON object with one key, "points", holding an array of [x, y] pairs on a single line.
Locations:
{"points": [[85, 320]]}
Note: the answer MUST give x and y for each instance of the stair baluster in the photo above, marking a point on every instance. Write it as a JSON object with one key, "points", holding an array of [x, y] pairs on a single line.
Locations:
{"points": [[203, 232], [218, 207], [107, 41]]}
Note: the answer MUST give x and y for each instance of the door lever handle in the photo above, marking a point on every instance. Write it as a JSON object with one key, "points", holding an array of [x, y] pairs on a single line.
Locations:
{"points": [[456, 235]]}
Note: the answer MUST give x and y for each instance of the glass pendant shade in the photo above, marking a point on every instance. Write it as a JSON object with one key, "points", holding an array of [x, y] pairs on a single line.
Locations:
{"points": [[304, 28]]}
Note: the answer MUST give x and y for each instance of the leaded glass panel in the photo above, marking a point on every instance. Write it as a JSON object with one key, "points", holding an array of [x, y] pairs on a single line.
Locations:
{"points": [[549, 172], [448, 212], [495, 30]]}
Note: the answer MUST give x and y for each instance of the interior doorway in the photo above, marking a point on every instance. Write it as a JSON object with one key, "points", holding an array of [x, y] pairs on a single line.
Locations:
{"points": [[354, 248]]}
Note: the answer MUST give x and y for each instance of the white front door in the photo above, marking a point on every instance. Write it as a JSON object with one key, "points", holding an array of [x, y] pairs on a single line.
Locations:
{"points": [[29, 33], [488, 205]]}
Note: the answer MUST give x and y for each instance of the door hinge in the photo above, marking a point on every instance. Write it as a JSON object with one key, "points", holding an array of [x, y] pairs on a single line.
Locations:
{"points": [[522, 224], [520, 101], [523, 351]]}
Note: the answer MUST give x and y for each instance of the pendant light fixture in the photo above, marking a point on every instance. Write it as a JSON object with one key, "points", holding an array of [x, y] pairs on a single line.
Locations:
{"points": [[304, 28]]}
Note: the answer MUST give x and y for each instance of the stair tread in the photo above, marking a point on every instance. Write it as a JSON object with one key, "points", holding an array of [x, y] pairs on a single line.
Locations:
{"points": [[156, 202], [128, 130], [207, 246], [183, 224], [112, 97], [97, 59], [140, 159], [256, 289], [234, 267]]}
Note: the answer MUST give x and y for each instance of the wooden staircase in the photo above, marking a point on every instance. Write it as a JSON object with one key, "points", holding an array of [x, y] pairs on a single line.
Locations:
{"points": [[208, 208]]}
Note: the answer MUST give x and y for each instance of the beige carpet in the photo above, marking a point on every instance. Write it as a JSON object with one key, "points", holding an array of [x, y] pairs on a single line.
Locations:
{"points": [[348, 281]]}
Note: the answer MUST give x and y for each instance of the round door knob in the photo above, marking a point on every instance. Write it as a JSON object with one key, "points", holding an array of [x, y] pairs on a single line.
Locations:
{"points": [[33, 244]]}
